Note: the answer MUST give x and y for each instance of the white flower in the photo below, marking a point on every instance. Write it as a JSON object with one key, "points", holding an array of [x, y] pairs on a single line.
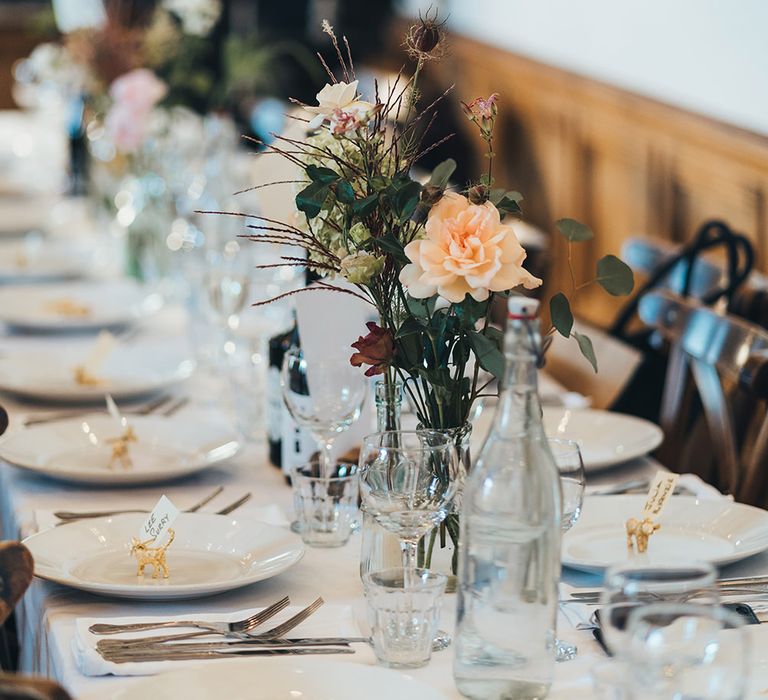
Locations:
{"points": [[197, 17], [361, 267], [339, 96]]}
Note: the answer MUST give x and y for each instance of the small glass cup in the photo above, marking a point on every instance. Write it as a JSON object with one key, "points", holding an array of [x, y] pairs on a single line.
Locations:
{"points": [[636, 584], [684, 650], [403, 619], [326, 506]]}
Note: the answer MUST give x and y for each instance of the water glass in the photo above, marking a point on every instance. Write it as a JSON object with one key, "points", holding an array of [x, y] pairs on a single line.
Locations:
{"points": [[403, 619], [684, 650], [633, 585], [325, 504]]}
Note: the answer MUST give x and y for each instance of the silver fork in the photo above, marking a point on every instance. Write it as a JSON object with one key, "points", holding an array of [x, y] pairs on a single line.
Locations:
{"points": [[145, 410], [275, 633], [207, 625], [74, 515]]}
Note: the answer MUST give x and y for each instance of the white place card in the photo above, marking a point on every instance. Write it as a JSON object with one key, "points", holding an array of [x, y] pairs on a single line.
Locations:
{"points": [[662, 487], [160, 519]]}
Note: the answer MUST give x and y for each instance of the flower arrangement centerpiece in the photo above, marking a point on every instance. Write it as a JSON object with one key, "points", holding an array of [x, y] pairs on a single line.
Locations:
{"points": [[430, 257]]}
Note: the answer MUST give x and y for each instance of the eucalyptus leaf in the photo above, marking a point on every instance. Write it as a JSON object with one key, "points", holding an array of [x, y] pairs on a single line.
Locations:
{"points": [[574, 230], [364, 207], [422, 308], [441, 175], [320, 174], [488, 354], [344, 192], [311, 199], [615, 276], [508, 205], [585, 345], [410, 326], [560, 311], [391, 245]]}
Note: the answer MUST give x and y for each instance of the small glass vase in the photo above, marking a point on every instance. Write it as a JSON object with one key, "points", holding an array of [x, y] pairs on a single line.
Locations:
{"points": [[438, 550], [379, 548]]}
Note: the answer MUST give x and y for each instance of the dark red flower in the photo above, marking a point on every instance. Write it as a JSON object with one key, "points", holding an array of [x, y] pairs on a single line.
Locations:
{"points": [[376, 349]]}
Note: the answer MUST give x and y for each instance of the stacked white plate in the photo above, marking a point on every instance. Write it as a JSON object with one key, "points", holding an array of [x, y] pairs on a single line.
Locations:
{"points": [[130, 371], [77, 449], [76, 306], [210, 554], [718, 531]]}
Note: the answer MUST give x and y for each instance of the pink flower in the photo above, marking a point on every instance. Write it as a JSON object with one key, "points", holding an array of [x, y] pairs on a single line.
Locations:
{"points": [[139, 89], [482, 108], [467, 250], [134, 96]]}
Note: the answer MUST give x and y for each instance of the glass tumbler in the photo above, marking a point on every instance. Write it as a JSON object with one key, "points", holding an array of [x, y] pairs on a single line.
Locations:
{"points": [[403, 619], [326, 506]]}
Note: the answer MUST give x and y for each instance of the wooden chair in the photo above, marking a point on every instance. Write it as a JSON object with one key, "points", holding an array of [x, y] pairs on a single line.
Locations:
{"points": [[16, 572], [713, 407]]}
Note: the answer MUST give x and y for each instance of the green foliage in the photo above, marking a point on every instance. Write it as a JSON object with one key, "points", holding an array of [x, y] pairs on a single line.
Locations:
{"points": [[560, 311], [574, 230], [390, 244], [366, 206], [311, 199], [488, 354], [441, 175], [615, 276], [585, 345]]}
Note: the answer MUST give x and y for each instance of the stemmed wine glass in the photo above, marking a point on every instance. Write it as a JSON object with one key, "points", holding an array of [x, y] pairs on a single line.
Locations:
{"points": [[408, 480], [572, 479], [325, 396]]}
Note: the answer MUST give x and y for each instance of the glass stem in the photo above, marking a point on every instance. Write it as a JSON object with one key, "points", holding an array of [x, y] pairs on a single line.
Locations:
{"points": [[326, 457], [408, 548]]}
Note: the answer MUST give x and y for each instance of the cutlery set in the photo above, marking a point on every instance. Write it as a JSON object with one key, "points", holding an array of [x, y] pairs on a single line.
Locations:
{"points": [[729, 588], [71, 516], [237, 638]]}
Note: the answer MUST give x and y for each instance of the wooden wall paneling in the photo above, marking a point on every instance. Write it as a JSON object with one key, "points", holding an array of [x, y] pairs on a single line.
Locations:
{"points": [[622, 163]]}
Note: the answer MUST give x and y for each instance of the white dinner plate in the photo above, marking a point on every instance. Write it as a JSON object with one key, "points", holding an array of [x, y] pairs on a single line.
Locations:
{"points": [[604, 437], [718, 531], [34, 259], [288, 678], [76, 306], [130, 371], [210, 554], [77, 450]]}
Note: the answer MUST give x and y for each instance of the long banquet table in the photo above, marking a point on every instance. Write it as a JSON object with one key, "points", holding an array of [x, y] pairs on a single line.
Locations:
{"points": [[47, 614]]}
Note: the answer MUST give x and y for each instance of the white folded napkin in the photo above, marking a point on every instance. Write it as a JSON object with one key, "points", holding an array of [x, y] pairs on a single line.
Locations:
{"points": [[270, 514], [328, 621], [690, 482]]}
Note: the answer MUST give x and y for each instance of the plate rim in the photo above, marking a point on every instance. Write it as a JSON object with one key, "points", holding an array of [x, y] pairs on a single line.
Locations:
{"points": [[177, 591], [594, 466], [717, 561], [86, 477]]}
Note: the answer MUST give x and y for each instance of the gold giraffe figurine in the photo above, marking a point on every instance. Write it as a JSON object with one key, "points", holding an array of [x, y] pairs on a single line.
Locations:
{"points": [[151, 556], [640, 530], [120, 447]]}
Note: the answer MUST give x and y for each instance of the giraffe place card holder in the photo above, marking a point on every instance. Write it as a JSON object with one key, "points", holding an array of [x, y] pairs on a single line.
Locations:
{"points": [[156, 535], [639, 530]]}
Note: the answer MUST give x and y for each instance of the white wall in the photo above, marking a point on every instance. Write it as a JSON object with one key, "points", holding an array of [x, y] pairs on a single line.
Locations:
{"points": [[708, 56]]}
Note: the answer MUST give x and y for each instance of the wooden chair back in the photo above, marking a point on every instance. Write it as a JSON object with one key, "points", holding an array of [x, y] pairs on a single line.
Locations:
{"points": [[726, 360], [16, 571]]}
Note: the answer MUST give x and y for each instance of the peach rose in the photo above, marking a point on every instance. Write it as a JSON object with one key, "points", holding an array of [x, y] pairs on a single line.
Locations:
{"points": [[466, 250]]}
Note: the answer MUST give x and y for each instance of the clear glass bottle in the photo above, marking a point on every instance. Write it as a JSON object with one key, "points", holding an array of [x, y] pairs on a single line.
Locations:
{"points": [[379, 548], [509, 549]]}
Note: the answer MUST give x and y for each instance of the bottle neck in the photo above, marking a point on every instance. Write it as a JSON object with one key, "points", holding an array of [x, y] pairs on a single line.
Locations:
{"points": [[519, 410], [389, 400]]}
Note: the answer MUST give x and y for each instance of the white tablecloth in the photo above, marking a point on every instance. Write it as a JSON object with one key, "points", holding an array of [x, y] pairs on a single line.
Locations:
{"points": [[48, 612]]}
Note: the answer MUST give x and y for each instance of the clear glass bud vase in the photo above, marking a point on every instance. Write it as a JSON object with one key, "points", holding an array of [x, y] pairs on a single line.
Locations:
{"points": [[438, 550], [380, 549]]}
